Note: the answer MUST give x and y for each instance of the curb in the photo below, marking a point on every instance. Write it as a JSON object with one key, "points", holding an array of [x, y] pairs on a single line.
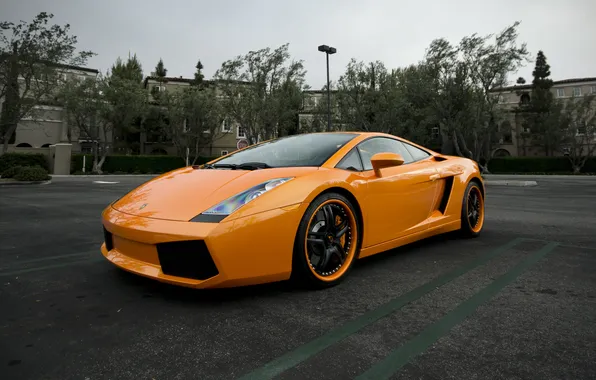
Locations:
{"points": [[25, 183], [511, 183]]}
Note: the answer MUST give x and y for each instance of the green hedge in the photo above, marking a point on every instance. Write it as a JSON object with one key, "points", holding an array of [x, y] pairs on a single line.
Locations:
{"points": [[11, 172], [9, 160], [537, 165], [32, 173], [152, 164]]}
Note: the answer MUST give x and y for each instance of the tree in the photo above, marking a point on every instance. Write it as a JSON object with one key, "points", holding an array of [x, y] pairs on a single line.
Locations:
{"points": [[362, 92], [127, 77], [196, 117], [259, 88], [127, 106], [160, 69], [537, 113], [199, 77], [84, 105], [466, 76], [578, 122], [160, 72], [131, 70], [32, 63]]}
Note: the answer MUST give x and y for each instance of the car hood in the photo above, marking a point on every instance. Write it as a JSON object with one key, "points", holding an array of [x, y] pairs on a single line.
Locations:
{"points": [[183, 194]]}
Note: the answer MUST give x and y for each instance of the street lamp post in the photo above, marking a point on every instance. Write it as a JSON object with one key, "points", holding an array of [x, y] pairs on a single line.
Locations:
{"points": [[328, 50]]}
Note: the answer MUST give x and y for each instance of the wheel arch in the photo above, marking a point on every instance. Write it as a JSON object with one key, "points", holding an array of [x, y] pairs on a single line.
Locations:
{"points": [[480, 183], [352, 198]]}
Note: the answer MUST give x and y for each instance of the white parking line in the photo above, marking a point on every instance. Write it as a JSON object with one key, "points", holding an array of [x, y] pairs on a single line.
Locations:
{"points": [[108, 182]]}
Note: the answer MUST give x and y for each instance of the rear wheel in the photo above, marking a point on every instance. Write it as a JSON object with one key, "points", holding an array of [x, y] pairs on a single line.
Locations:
{"points": [[327, 242], [472, 210]]}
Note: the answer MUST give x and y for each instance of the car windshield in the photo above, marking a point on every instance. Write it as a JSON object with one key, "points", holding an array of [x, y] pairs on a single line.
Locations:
{"points": [[297, 150]]}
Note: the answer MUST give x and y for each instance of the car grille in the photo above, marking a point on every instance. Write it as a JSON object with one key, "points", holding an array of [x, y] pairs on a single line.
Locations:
{"points": [[107, 236], [189, 259]]}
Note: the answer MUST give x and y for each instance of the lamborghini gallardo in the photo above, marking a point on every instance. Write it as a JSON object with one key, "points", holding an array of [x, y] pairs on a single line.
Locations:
{"points": [[302, 207]]}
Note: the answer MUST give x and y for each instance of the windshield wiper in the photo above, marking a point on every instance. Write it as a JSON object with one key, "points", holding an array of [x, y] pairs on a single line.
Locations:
{"points": [[253, 165], [244, 166]]}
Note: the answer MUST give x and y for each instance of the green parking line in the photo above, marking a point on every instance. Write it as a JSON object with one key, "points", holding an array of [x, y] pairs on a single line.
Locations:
{"points": [[317, 345], [402, 355]]}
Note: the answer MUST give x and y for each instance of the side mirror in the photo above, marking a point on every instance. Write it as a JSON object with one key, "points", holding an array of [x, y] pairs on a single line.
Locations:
{"points": [[385, 160]]}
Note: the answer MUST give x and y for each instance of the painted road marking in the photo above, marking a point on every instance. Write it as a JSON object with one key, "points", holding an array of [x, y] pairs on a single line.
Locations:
{"points": [[108, 182], [302, 353], [402, 355]]}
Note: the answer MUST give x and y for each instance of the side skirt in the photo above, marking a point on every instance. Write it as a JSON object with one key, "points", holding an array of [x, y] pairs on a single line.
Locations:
{"points": [[441, 229]]}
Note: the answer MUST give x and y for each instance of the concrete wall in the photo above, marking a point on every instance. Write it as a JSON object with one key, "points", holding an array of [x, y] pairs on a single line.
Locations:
{"points": [[58, 156]]}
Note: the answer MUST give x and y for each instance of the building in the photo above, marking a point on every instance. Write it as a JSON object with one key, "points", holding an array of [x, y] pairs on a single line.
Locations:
{"points": [[512, 140], [313, 114], [230, 136], [47, 124]]}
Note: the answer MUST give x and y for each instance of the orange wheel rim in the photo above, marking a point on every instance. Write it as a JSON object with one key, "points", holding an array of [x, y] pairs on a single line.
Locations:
{"points": [[331, 239], [475, 209]]}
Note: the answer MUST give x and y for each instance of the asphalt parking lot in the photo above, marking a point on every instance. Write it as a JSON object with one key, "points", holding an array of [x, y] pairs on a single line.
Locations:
{"points": [[519, 302]]}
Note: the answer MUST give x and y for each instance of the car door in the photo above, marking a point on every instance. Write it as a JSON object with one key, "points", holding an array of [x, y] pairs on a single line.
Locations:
{"points": [[399, 202]]}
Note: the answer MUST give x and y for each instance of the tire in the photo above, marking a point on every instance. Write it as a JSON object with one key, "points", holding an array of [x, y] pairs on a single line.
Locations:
{"points": [[317, 257], [473, 201]]}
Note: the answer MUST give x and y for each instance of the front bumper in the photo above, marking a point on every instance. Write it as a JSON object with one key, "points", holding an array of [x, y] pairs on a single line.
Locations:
{"points": [[245, 251]]}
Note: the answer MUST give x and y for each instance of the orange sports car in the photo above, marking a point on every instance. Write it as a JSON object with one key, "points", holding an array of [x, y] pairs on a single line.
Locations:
{"points": [[301, 207]]}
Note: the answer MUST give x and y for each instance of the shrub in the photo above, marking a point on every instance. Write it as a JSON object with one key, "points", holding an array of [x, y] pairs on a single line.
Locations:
{"points": [[32, 173], [11, 172], [537, 165], [150, 164], [11, 159]]}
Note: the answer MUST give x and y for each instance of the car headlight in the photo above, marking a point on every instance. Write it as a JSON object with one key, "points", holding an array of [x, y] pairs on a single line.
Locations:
{"points": [[228, 206]]}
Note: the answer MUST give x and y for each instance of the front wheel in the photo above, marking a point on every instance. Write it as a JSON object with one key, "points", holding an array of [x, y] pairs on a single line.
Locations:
{"points": [[326, 242], [472, 210]]}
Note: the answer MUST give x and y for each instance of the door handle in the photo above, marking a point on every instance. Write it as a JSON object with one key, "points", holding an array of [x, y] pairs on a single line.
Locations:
{"points": [[434, 177]]}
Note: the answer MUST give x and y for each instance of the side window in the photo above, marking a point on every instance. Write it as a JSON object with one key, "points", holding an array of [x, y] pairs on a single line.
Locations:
{"points": [[376, 145], [351, 161], [417, 153]]}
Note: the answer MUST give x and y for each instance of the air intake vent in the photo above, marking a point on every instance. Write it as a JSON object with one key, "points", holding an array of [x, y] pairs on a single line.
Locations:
{"points": [[189, 259], [107, 236]]}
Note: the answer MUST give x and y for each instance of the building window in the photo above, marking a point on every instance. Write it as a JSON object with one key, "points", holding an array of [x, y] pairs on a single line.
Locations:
{"points": [[593, 90], [158, 88], [224, 152], [241, 132], [580, 129], [577, 91], [226, 126], [435, 133], [560, 92]]}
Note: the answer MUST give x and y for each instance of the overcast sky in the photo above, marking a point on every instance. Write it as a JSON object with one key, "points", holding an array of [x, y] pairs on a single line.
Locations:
{"points": [[396, 32]]}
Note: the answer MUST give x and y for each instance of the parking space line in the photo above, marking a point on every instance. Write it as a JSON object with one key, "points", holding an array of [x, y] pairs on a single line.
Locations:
{"points": [[52, 266], [302, 353], [402, 355]]}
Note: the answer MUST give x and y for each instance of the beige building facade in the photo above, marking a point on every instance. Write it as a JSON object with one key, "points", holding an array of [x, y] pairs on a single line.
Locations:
{"points": [[47, 124], [229, 137], [511, 132]]}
